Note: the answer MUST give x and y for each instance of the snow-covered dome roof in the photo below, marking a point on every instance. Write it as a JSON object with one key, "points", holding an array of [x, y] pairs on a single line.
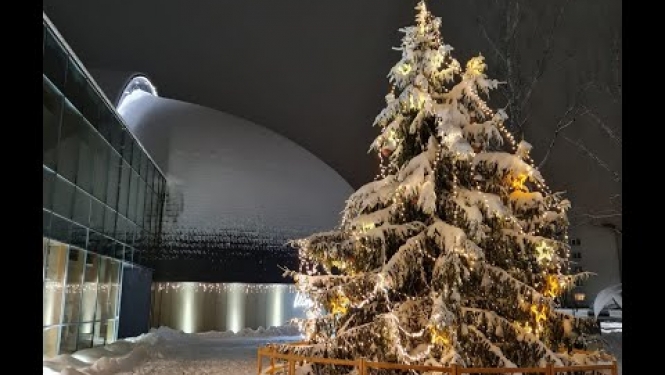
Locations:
{"points": [[226, 174]]}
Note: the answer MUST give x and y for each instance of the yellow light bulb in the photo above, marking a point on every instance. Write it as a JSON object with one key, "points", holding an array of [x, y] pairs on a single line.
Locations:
{"points": [[405, 68]]}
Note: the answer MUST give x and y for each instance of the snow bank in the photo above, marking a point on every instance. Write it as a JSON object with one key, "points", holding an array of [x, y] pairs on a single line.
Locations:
{"points": [[123, 355], [287, 330], [611, 327]]}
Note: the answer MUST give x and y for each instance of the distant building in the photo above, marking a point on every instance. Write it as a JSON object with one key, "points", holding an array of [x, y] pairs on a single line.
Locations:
{"points": [[595, 249]]}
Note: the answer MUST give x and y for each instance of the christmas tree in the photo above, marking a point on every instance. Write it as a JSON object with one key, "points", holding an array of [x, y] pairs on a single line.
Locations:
{"points": [[458, 251]]}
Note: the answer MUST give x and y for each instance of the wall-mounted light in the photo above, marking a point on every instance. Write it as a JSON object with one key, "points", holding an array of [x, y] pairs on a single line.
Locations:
{"points": [[579, 297]]}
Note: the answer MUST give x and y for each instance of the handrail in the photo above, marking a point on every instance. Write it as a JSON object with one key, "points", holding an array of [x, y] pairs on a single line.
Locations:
{"points": [[364, 365]]}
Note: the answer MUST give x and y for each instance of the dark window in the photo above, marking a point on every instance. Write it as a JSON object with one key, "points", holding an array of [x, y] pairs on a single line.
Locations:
{"points": [[127, 147], [46, 223], [63, 197], [94, 241], [113, 178], [71, 133], [95, 114], [137, 155], [123, 196], [79, 236], [54, 63], [131, 234], [80, 93], [155, 184], [148, 208], [139, 239], [117, 135], [575, 242], [100, 170], [140, 201], [96, 215], [50, 123], [109, 222], [133, 194], [86, 159], [577, 255], [47, 188], [121, 228], [61, 229], [150, 175], [107, 122], [81, 207], [144, 165]]}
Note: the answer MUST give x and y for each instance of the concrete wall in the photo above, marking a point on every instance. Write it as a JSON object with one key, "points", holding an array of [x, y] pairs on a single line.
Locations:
{"points": [[229, 306]]}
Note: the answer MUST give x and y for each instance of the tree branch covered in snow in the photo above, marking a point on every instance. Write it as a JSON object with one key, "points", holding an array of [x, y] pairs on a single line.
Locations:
{"points": [[459, 220]]}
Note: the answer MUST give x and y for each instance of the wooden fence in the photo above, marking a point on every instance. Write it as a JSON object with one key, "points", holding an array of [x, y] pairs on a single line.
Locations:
{"points": [[289, 361]]}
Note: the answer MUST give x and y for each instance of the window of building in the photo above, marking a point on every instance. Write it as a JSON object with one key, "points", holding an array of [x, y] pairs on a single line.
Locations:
{"points": [[51, 114], [54, 61]]}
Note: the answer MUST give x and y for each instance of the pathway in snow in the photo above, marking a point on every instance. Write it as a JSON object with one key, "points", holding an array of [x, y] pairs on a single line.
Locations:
{"points": [[168, 352], [206, 356]]}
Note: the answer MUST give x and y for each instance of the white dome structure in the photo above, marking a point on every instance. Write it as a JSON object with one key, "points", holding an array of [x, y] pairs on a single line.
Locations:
{"points": [[228, 174]]}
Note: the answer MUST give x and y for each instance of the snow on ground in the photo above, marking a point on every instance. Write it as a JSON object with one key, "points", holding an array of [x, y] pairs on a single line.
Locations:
{"points": [[165, 351]]}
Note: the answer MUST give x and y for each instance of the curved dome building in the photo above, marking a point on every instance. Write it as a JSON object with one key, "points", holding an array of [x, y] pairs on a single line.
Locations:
{"points": [[236, 193]]}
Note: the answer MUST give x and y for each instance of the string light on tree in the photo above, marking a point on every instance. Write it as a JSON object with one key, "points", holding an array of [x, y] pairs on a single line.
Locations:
{"points": [[453, 253]]}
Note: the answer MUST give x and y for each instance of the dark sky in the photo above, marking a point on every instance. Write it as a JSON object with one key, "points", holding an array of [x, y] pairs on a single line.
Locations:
{"points": [[315, 71]]}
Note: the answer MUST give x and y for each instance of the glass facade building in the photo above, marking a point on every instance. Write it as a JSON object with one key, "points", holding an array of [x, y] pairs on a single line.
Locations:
{"points": [[103, 198]]}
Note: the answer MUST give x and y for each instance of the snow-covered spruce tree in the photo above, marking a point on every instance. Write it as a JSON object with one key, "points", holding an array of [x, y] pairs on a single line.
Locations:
{"points": [[458, 251]]}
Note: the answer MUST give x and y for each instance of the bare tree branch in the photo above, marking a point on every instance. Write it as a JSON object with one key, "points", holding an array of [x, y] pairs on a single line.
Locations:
{"points": [[574, 111], [596, 158], [495, 48], [562, 124], [609, 131], [545, 56]]}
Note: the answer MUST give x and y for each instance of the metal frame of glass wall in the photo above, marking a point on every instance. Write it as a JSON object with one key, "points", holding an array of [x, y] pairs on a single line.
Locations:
{"points": [[103, 198]]}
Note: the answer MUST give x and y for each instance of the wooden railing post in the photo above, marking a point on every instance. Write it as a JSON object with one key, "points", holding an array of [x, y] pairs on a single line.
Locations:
{"points": [[272, 364], [259, 360], [615, 369], [455, 369], [549, 369], [292, 367], [363, 367]]}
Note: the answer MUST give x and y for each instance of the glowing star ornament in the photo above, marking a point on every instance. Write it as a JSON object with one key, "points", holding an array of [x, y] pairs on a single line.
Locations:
{"points": [[439, 336], [540, 316], [518, 183], [476, 66], [544, 253], [340, 305], [405, 68], [553, 286]]}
